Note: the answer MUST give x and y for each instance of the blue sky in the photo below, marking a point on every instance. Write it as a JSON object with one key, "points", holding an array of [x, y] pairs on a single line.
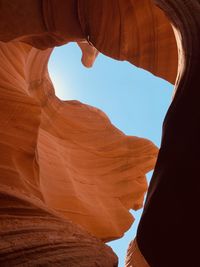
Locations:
{"points": [[134, 100]]}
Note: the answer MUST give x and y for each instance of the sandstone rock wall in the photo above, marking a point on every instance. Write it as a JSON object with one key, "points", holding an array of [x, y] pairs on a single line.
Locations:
{"points": [[31, 233], [51, 150], [62, 163]]}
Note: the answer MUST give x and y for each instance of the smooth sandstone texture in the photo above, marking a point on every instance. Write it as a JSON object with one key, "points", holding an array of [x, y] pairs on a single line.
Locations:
{"points": [[116, 28], [31, 232], [60, 161], [65, 153], [136, 31]]}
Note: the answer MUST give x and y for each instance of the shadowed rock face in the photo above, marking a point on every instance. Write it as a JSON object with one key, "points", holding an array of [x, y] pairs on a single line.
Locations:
{"points": [[168, 233]]}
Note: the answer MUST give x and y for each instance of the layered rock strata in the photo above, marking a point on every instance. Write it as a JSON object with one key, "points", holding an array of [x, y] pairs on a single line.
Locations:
{"points": [[63, 163], [116, 28], [31, 232], [136, 31]]}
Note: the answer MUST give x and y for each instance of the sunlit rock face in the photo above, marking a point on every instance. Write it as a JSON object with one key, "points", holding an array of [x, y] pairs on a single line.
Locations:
{"points": [[31, 232], [66, 173], [67, 154]]}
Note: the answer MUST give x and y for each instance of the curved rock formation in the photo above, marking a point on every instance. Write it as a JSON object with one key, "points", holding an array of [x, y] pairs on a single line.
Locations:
{"points": [[168, 233], [89, 53], [65, 153], [31, 232], [60, 160], [136, 31], [31, 235], [131, 30]]}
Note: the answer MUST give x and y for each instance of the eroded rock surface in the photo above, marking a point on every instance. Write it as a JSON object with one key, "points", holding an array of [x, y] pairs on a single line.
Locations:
{"points": [[136, 31], [65, 153], [60, 161], [31, 235], [31, 232]]}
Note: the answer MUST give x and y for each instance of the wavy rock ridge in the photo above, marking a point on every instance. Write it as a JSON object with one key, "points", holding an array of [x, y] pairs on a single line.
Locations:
{"points": [[136, 31], [54, 156], [33, 234]]}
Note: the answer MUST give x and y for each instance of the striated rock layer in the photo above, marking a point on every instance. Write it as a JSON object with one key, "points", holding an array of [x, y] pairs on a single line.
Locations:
{"points": [[33, 236], [31, 232], [65, 153], [136, 31], [62, 163]]}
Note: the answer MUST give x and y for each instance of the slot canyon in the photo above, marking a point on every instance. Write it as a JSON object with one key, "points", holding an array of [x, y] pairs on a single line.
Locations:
{"points": [[68, 176]]}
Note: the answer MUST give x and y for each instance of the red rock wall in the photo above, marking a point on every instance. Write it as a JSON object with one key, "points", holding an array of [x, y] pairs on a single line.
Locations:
{"points": [[31, 233], [60, 160], [136, 31]]}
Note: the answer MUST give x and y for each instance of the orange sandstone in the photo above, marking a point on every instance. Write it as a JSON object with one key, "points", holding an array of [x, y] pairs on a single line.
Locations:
{"points": [[63, 163]]}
